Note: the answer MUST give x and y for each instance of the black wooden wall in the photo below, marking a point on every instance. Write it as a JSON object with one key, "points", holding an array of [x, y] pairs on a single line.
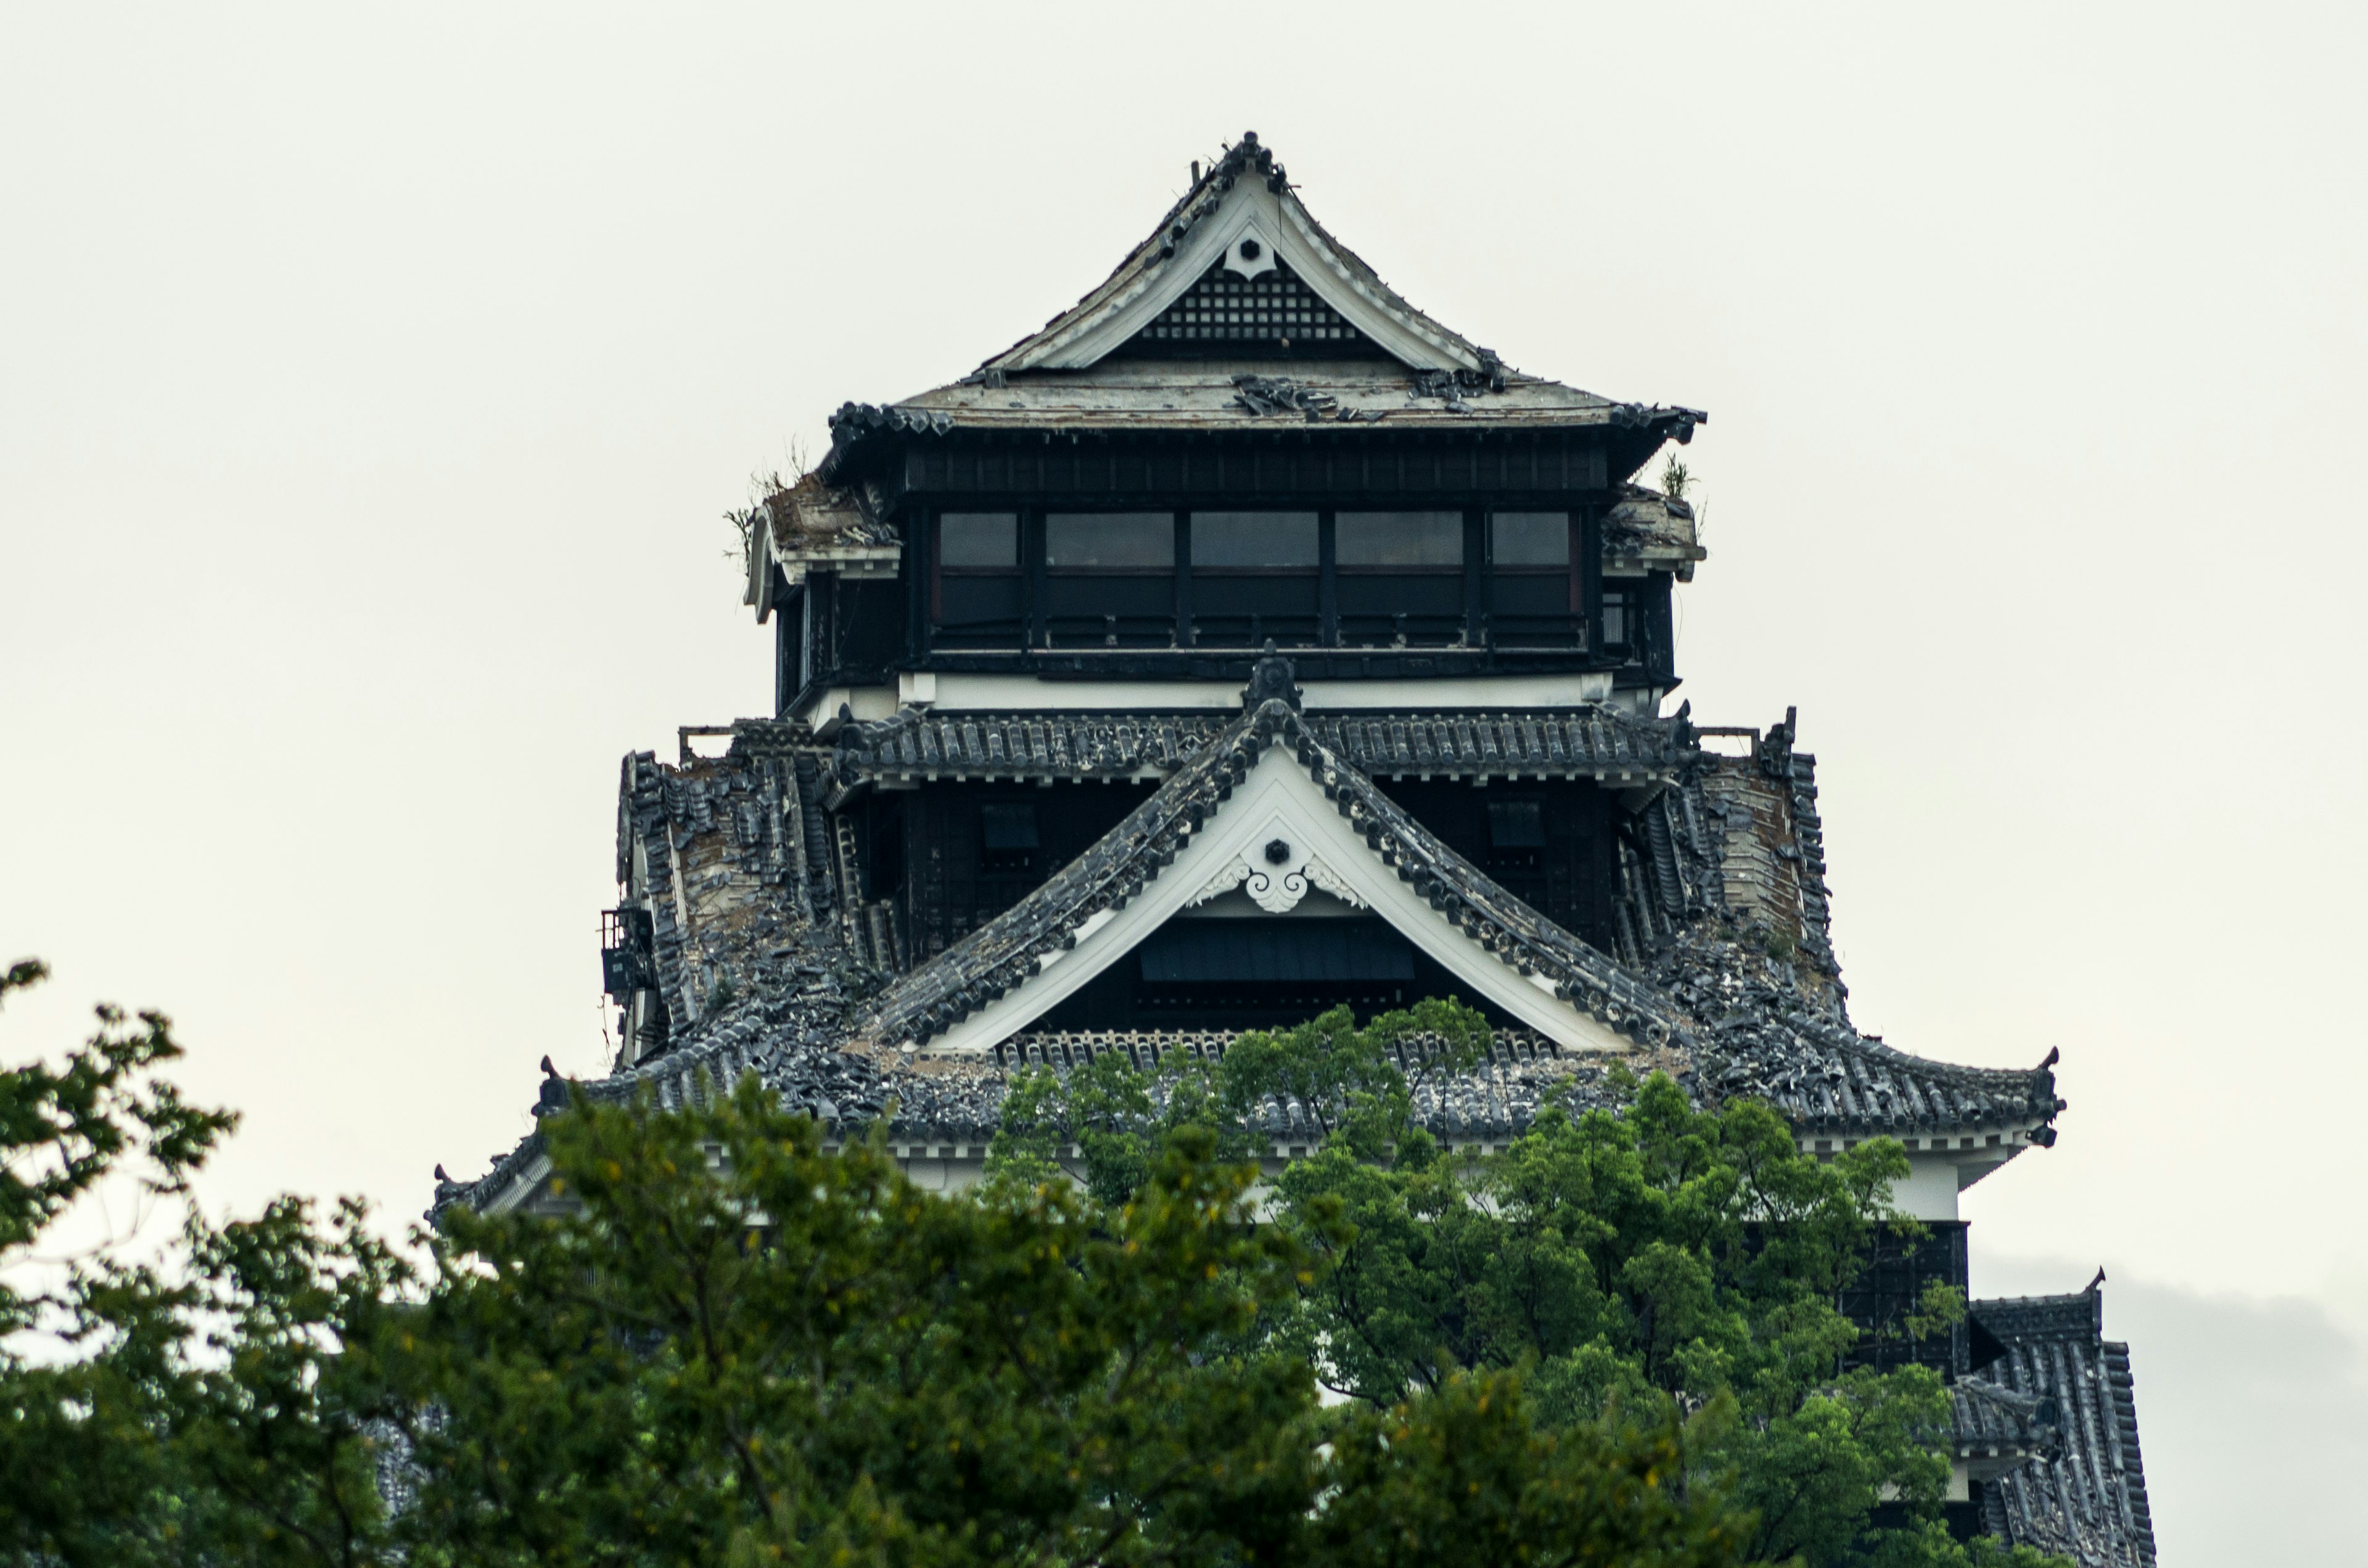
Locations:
{"points": [[1572, 879]]}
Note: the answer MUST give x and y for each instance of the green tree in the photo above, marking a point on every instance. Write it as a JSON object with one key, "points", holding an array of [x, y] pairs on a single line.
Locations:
{"points": [[724, 1346], [1656, 1266], [187, 1409]]}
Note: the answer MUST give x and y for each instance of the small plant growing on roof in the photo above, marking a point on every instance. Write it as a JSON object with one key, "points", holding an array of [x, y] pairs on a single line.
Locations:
{"points": [[764, 484], [1676, 479]]}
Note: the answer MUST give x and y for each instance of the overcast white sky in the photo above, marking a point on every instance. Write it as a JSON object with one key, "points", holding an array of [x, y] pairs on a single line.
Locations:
{"points": [[370, 390]]}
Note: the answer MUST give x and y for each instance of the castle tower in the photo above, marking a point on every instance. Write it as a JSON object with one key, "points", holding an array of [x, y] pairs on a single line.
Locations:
{"points": [[1243, 643]]}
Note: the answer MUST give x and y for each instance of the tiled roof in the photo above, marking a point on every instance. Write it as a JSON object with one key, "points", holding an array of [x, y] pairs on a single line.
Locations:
{"points": [[1244, 161], [765, 963], [1244, 395], [1523, 1074], [2088, 1499], [1068, 375], [1995, 1429], [1001, 956], [1589, 742]]}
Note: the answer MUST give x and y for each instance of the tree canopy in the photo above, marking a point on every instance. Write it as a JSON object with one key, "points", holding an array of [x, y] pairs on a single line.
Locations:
{"points": [[1615, 1343]]}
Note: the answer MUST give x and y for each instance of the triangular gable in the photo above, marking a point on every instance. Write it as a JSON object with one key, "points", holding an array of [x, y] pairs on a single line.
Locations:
{"points": [[1234, 310], [1243, 217], [1267, 781]]}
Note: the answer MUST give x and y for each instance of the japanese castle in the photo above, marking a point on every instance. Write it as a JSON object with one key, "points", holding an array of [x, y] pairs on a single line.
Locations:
{"points": [[1247, 642]]}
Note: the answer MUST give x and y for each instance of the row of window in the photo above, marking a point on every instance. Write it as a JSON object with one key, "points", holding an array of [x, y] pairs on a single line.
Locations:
{"points": [[1203, 579], [1135, 542]]}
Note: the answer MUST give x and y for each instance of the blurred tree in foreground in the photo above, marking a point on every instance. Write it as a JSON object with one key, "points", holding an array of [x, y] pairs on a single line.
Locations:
{"points": [[736, 1349]]}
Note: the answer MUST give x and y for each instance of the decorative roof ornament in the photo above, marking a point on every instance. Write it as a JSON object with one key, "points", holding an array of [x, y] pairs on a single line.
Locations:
{"points": [[1272, 678]]}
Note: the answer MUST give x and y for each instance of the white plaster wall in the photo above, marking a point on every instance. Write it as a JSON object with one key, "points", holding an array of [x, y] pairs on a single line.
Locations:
{"points": [[950, 692], [1930, 1190]]}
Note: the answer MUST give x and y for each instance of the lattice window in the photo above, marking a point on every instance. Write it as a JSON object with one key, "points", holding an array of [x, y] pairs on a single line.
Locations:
{"points": [[1273, 313]]}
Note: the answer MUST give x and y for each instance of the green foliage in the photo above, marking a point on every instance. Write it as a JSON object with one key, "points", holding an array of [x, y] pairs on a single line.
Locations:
{"points": [[1613, 1343], [1465, 1475], [722, 1346], [1659, 1268], [742, 1348], [156, 1416], [1116, 1115]]}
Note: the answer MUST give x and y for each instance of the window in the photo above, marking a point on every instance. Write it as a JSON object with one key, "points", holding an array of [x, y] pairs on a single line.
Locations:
{"points": [[1007, 838], [1110, 540], [1400, 581], [1516, 825], [1401, 539], [979, 538], [979, 595], [1251, 540], [1110, 579], [1533, 598], [1254, 577], [1624, 623], [1530, 538]]}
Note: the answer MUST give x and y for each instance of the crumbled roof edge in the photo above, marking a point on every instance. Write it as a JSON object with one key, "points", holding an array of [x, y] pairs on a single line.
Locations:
{"points": [[1750, 1024], [814, 523], [1830, 1076]]}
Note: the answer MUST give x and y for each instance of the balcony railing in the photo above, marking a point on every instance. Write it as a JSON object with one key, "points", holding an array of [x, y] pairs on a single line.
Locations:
{"points": [[628, 957], [1068, 633]]}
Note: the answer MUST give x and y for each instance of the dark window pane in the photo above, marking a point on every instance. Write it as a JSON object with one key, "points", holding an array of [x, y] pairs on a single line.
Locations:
{"points": [[1254, 539], [1109, 538], [978, 538], [1622, 618], [1400, 538], [1516, 824], [1007, 826], [1530, 538]]}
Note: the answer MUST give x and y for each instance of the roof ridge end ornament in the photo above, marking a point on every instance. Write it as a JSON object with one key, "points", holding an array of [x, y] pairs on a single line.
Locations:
{"points": [[1272, 678]]}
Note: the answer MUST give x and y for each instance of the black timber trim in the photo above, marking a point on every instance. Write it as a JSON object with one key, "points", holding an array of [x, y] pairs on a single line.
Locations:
{"points": [[1251, 469], [876, 443], [1315, 664]]}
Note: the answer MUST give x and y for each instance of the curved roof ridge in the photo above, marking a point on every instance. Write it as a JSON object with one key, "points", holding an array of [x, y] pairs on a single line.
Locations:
{"points": [[1004, 954], [1143, 270]]}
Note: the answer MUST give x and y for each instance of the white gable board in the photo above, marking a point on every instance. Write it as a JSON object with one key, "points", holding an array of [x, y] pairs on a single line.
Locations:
{"points": [[1278, 227], [1277, 802]]}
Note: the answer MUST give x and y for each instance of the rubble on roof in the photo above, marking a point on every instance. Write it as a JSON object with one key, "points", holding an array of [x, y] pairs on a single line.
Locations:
{"points": [[813, 525], [1648, 531], [765, 961], [1203, 396], [1591, 740]]}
